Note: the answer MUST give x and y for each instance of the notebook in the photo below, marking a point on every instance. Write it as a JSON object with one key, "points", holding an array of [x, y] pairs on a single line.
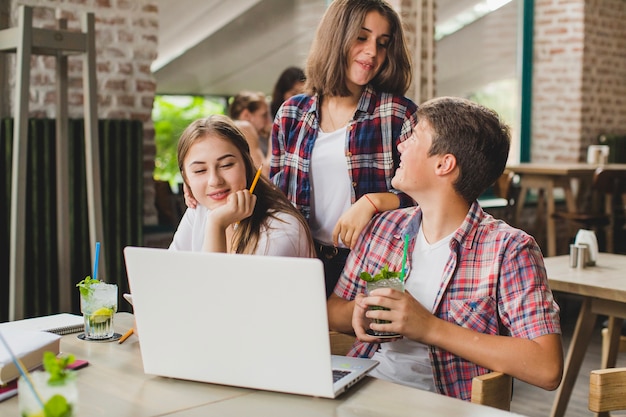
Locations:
{"points": [[250, 321], [61, 323]]}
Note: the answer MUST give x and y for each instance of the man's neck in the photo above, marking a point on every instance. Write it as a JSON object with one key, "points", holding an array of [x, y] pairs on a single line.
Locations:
{"points": [[441, 218]]}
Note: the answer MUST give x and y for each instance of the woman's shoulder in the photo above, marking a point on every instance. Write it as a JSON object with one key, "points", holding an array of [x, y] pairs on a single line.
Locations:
{"points": [[303, 102], [394, 102], [282, 220]]}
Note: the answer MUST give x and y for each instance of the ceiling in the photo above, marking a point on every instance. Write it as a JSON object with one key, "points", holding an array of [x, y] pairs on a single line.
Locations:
{"points": [[215, 47], [218, 47]]}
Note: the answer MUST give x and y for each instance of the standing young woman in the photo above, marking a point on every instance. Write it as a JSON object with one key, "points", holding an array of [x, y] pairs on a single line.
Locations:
{"points": [[334, 148], [215, 162]]}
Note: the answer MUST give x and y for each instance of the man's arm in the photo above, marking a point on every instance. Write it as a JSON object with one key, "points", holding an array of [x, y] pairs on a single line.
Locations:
{"points": [[538, 361], [340, 314]]}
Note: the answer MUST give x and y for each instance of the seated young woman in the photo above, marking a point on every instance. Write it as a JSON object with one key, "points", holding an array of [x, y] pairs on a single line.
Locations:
{"points": [[215, 162]]}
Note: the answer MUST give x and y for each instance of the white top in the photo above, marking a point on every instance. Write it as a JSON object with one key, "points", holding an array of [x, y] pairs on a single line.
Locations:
{"points": [[329, 173], [285, 238], [405, 361]]}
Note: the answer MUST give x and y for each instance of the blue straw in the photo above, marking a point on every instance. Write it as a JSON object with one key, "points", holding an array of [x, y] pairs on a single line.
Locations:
{"points": [[23, 371], [404, 255], [95, 264]]}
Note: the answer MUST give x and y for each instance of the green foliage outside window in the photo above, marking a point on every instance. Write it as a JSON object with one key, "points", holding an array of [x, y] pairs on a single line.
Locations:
{"points": [[171, 115]]}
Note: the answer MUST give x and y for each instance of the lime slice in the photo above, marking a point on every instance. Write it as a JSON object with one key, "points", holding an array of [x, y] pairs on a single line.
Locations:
{"points": [[101, 315]]}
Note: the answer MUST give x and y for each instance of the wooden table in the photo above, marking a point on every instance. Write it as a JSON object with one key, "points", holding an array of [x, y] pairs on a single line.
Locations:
{"points": [[545, 178], [114, 384], [603, 289]]}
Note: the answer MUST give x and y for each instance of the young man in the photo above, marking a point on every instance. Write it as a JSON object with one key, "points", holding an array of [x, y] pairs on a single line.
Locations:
{"points": [[476, 293]]}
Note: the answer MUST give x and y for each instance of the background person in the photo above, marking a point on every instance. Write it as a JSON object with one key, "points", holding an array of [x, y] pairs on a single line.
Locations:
{"points": [[216, 166], [289, 83], [476, 292], [334, 147], [252, 107]]}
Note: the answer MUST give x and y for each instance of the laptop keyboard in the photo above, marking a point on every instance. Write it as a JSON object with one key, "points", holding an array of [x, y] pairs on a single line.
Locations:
{"points": [[337, 374]]}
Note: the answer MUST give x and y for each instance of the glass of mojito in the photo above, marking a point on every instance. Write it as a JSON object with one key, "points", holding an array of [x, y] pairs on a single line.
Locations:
{"points": [[58, 399], [98, 303], [394, 283]]}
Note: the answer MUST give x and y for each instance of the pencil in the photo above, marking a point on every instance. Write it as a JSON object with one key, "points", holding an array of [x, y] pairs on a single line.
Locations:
{"points": [[254, 181], [256, 178], [126, 335]]}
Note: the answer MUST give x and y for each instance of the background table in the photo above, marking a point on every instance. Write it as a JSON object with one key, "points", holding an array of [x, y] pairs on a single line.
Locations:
{"points": [[603, 290], [545, 178], [114, 385]]}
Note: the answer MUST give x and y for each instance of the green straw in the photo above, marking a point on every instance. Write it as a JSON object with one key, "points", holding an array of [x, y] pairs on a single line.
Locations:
{"points": [[20, 367], [404, 254]]}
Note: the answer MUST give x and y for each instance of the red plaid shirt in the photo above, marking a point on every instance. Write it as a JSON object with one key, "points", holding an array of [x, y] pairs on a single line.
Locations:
{"points": [[494, 283], [382, 121]]}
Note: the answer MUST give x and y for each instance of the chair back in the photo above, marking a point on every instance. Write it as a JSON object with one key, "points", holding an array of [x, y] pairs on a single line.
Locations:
{"points": [[609, 181], [606, 390], [494, 389], [340, 344]]}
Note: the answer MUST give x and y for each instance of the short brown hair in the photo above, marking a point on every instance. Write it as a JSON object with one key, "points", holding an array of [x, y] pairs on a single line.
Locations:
{"points": [[327, 61], [246, 100], [475, 135]]}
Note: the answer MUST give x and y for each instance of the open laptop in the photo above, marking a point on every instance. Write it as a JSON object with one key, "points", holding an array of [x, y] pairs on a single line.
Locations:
{"points": [[249, 321]]}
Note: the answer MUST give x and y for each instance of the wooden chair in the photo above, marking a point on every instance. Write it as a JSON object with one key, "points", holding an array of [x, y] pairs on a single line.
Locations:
{"points": [[340, 343], [606, 390], [608, 185], [494, 389], [606, 342], [507, 188]]}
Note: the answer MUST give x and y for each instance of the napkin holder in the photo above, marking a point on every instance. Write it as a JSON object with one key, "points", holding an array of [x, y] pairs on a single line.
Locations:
{"points": [[588, 237]]}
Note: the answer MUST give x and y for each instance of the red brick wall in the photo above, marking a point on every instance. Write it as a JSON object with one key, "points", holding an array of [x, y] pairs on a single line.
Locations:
{"points": [[579, 76], [126, 44], [604, 69]]}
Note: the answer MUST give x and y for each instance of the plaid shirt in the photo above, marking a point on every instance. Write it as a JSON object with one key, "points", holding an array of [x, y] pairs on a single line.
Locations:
{"points": [[494, 282], [382, 121]]}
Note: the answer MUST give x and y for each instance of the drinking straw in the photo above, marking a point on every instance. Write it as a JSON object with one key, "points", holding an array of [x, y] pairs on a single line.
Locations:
{"points": [[23, 371], [256, 179], [404, 254], [95, 264]]}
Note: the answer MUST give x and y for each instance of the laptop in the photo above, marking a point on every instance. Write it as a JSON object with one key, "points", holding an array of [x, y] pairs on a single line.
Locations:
{"points": [[242, 320]]}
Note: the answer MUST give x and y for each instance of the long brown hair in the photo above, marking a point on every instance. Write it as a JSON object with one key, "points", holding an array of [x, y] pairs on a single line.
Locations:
{"points": [[338, 30], [270, 200]]}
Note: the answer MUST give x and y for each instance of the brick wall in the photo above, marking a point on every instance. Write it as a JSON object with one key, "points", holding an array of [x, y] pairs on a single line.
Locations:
{"points": [[604, 69], [126, 43], [579, 76], [424, 80]]}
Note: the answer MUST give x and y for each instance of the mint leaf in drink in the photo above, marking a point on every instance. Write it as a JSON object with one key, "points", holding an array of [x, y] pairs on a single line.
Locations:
{"points": [[384, 273], [56, 367], [57, 406], [84, 286]]}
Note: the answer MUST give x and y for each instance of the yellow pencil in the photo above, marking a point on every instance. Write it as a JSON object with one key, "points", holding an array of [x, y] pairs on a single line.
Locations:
{"points": [[256, 179], [127, 335]]}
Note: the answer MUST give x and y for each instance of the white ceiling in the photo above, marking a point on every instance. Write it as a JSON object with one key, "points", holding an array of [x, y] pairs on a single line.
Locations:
{"points": [[219, 47]]}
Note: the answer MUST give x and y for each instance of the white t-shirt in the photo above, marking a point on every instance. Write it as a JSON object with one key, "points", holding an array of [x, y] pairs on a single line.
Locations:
{"points": [[284, 238], [406, 361], [329, 173]]}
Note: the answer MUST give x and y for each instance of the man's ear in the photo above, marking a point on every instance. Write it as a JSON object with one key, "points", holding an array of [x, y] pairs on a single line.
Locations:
{"points": [[446, 164]]}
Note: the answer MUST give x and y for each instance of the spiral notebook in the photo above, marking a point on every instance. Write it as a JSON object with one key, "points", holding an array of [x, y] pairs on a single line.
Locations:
{"points": [[62, 323]]}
